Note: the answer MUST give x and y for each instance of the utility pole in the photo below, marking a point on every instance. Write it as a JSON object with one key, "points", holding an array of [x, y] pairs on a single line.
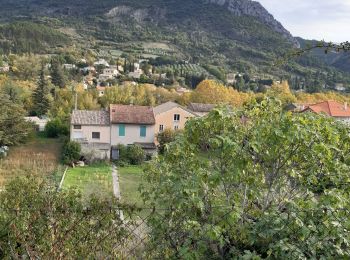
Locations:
{"points": [[76, 101]]}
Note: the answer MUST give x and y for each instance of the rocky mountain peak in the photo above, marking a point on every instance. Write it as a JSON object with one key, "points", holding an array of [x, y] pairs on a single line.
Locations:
{"points": [[255, 9]]}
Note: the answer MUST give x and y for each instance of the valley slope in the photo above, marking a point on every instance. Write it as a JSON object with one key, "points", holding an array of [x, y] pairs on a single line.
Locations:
{"points": [[229, 35]]}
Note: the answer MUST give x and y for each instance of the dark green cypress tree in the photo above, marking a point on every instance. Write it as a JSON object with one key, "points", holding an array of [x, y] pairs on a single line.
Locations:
{"points": [[41, 95], [57, 74]]}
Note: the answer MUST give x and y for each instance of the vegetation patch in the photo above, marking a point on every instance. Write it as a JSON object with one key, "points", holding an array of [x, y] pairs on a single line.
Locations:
{"points": [[90, 180], [130, 179], [41, 157]]}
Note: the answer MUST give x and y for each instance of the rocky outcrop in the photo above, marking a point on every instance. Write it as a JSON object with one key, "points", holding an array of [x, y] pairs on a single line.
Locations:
{"points": [[146, 14], [255, 9]]}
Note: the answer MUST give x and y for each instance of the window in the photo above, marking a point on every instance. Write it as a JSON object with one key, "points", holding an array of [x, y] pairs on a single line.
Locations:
{"points": [[176, 117], [161, 128], [121, 130], [96, 135], [77, 127], [143, 131], [176, 127]]}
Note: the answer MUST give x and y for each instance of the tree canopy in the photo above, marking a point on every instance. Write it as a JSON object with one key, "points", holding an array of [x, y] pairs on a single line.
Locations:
{"points": [[253, 182], [13, 128]]}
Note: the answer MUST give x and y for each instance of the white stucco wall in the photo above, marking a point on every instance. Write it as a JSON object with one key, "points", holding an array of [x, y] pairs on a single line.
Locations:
{"points": [[86, 132], [132, 135]]}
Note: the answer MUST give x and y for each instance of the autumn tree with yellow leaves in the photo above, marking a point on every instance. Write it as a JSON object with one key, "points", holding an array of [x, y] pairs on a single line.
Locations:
{"points": [[213, 92]]}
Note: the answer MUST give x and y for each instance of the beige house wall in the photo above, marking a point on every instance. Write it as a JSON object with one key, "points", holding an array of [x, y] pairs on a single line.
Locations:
{"points": [[167, 119], [86, 133], [132, 134]]}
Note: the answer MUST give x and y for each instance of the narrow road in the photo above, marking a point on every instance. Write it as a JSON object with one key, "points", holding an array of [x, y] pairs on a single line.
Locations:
{"points": [[116, 188]]}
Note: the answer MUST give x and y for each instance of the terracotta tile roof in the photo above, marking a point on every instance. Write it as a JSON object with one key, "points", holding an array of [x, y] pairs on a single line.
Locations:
{"points": [[198, 107], [331, 108], [129, 114], [168, 106], [85, 117]]}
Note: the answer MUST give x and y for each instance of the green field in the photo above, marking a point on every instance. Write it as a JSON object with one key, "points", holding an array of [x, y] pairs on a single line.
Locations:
{"points": [[130, 179], [94, 179], [97, 180]]}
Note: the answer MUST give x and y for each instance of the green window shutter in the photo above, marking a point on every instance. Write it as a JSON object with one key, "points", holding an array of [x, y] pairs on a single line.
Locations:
{"points": [[121, 130], [143, 131]]}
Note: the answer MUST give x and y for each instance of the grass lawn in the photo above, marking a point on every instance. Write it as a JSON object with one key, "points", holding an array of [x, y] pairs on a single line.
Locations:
{"points": [[93, 179], [39, 156], [130, 179]]}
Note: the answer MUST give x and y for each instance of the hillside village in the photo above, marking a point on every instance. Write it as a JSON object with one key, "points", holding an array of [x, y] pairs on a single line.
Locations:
{"points": [[158, 129], [102, 131]]}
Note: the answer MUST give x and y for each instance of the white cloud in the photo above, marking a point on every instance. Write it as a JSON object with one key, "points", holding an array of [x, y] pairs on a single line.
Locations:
{"points": [[310, 19]]}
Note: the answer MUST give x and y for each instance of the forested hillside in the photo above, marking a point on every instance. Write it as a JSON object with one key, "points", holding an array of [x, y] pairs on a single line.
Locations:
{"points": [[227, 36], [27, 37]]}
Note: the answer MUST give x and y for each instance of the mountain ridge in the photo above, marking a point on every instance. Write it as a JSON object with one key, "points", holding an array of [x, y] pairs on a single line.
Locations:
{"points": [[62, 7], [230, 35], [256, 9]]}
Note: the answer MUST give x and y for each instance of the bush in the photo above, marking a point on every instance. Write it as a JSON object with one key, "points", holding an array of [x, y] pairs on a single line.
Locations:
{"points": [[164, 138], [56, 128], [132, 154], [136, 154], [71, 152]]}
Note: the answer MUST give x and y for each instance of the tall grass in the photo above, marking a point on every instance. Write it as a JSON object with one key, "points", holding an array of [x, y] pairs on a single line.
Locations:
{"points": [[39, 157]]}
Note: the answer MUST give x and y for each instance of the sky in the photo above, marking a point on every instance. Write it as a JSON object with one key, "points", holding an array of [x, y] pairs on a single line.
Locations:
{"points": [[327, 20]]}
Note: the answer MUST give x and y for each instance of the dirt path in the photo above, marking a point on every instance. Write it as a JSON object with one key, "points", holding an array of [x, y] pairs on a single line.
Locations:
{"points": [[116, 188]]}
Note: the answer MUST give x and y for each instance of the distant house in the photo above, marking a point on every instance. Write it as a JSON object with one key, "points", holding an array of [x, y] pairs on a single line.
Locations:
{"points": [[171, 115], [105, 77], [88, 69], [159, 75], [331, 108], [101, 62], [39, 122], [136, 74], [69, 66], [5, 68], [183, 90], [231, 78], [132, 125], [339, 87], [92, 130], [137, 66], [111, 71], [295, 107], [201, 109]]}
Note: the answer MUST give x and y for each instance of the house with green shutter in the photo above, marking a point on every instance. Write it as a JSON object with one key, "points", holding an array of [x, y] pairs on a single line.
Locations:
{"points": [[133, 125], [101, 131]]}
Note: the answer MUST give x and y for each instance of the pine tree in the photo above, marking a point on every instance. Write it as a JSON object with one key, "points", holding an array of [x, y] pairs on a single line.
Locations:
{"points": [[41, 95], [57, 74], [125, 66]]}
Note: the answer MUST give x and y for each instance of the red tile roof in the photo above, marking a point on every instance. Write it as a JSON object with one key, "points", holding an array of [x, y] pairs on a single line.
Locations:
{"points": [[331, 108], [129, 114]]}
